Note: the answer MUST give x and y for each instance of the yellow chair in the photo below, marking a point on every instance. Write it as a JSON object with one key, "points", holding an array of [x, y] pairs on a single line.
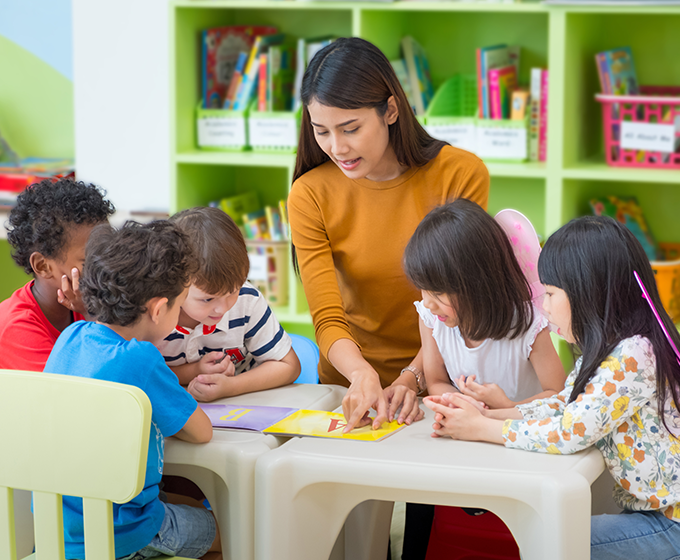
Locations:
{"points": [[63, 435]]}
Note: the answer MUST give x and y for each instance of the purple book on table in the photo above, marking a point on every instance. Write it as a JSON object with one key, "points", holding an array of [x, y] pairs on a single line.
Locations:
{"points": [[245, 417]]}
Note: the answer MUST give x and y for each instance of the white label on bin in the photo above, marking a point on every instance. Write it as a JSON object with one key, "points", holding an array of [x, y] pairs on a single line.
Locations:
{"points": [[458, 135], [273, 132], [501, 143], [646, 136], [219, 132], [258, 267]]}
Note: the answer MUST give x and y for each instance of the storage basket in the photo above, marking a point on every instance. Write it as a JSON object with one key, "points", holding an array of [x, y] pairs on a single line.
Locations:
{"points": [[451, 114], [274, 131], [667, 274], [269, 269], [637, 126], [221, 129]]}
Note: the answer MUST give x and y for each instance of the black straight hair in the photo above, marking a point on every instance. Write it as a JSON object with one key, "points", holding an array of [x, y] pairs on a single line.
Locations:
{"points": [[462, 252], [593, 259], [352, 73]]}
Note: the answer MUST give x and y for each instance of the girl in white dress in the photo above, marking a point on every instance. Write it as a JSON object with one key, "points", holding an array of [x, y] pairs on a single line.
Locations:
{"points": [[480, 333]]}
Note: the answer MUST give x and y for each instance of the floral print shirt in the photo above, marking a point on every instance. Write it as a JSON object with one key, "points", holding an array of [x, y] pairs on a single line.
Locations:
{"points": [[618, 414]]}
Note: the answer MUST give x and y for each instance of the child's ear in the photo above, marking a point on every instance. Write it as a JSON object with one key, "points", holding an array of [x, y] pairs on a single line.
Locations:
{"points": [[40, 265], [155, 308]]}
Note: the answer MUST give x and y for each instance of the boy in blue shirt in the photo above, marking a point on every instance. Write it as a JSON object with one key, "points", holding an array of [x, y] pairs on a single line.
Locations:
{"points": [[134, 282]]}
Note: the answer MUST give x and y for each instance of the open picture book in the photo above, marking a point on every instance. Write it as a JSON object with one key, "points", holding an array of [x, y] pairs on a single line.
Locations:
{"points": [[292, 422]]}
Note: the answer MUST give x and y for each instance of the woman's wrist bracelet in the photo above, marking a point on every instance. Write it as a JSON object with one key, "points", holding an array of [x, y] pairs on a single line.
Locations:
{"points": [[420, 378]]}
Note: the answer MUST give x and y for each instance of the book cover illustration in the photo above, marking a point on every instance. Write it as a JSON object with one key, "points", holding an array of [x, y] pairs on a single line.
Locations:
{"points": [[419, 74], [316, 423], [244, 417], [221, 47], [617, 72]]}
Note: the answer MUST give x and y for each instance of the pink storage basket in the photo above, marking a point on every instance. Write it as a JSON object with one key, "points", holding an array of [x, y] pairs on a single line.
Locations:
{"points": [[658, 104]]}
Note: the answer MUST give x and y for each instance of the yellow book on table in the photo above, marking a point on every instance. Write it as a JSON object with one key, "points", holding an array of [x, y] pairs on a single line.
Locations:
{"points": [[317, 423]]}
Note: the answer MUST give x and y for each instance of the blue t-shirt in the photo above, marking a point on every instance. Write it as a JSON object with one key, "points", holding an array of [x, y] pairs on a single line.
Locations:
{"points": [[92, 350]]}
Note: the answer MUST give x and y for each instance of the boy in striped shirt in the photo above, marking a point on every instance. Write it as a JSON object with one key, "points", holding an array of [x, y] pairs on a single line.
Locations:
{"points": [[227, 341]]}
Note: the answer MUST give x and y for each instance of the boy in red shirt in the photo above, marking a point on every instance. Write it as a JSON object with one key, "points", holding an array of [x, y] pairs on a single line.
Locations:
{"points": [[48, 230]]}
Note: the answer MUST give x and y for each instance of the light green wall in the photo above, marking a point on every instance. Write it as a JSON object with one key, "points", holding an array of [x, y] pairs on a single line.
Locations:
{"points": [[36, 117]]}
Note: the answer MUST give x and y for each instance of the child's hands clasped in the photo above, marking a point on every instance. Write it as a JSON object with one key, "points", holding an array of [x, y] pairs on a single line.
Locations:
{"points": [[454, 414], [216, 372], [216, 363], [489, 393]]}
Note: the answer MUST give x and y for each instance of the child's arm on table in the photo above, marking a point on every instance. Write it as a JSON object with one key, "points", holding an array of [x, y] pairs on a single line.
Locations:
{"points": [[211, 363], [197, 428], [267, 375], [436, 376], [464, 420], [547, 366]]}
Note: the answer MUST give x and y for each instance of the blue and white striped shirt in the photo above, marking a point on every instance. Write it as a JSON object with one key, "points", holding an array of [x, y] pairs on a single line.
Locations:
{"points": [[249, 333]]}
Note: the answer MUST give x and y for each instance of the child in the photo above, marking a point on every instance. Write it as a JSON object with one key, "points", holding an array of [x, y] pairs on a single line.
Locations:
{"points": [[476, 317], [47, 230], [135, 280], [225, 328], [622, 396]]}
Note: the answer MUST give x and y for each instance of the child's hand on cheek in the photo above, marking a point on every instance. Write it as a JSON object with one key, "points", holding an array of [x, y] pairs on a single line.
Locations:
{"points": [[208, 387], [69, 293], [216, 362]]}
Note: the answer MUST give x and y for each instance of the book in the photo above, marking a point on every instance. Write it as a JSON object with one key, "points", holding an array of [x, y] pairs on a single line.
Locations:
{"points": [[274, 223], [256, 226], [283, 212], [237, 206], [235, 82], [616, 71], [281, 76], [518, 104], [401, 71], [316, 423], [543, 118], [502, 82], [534, 112], [262, 83], [244, 417], [496, 56], [418, 73], [251, 73], [306, 49], [220, 51]]}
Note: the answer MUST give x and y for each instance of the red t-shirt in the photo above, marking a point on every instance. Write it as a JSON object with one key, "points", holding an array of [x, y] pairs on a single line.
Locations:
{"points": [[26, 336]]}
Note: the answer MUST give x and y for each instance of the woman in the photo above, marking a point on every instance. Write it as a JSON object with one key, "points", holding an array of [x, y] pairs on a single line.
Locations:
{"points": [[366, 174]]}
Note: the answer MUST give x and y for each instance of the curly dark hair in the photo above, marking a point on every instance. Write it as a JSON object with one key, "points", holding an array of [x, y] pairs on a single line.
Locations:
{"points": [[44, 213], [126, 268]]}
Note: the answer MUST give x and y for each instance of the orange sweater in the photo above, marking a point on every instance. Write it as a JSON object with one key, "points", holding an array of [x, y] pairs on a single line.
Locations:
{"points": [[350, 236]]}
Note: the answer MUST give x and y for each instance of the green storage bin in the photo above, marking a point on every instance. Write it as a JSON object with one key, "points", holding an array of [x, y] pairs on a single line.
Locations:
{"points": [[274, 131], [221, 130], [451, 114]]}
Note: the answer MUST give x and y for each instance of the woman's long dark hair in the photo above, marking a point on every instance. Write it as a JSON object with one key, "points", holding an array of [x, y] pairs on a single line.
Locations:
{"points": [[592, 259], [352, 73], [461, 251]]}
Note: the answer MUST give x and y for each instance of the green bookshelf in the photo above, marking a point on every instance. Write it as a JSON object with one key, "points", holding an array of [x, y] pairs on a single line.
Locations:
{"points": [[563, 38]]}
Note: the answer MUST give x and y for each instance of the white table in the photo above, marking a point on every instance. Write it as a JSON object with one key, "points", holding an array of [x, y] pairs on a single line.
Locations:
{"points": [[305, 489], [224, 468]]}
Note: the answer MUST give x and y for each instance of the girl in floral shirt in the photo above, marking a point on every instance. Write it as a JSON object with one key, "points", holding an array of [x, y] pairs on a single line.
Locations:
{"points": [[622, 396]]}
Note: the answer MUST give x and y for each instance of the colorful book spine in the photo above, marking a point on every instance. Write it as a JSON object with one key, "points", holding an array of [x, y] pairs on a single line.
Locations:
{"points": [[603, 73], [534, 113], [480, 85], [235, 82], [274, 223], [502, 82], [543, 127], [262, 84]]}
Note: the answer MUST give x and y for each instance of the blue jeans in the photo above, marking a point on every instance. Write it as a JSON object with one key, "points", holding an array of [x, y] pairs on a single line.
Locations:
{"points": [[634, 535]]}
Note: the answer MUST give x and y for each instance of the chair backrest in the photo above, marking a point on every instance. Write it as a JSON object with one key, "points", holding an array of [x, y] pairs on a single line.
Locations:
{"points": [[308, 353], [63, 435]]}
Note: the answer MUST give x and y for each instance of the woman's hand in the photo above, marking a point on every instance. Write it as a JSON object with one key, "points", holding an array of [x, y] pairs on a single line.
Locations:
{"points": [[363, 394], [400, 397], [489, 393]]}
